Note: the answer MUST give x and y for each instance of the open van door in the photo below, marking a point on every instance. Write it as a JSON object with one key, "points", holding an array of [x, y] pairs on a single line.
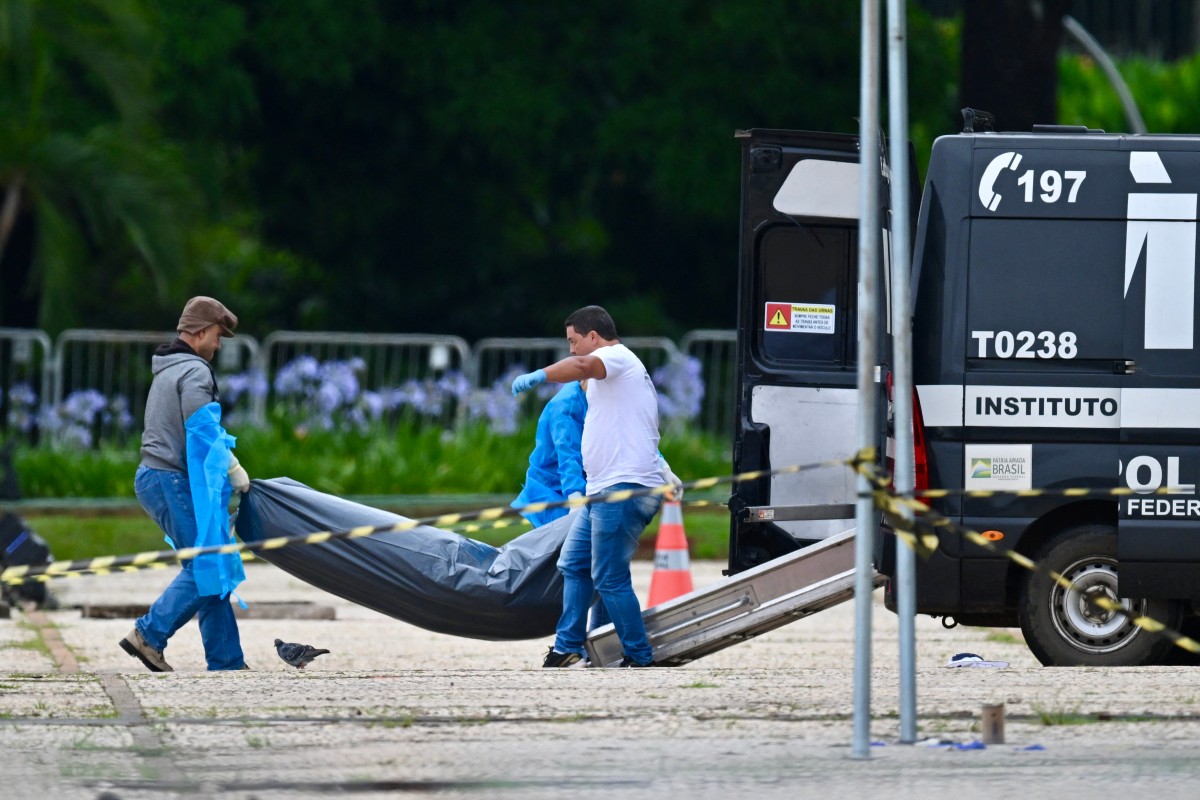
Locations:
{"points": [[797, 344]]}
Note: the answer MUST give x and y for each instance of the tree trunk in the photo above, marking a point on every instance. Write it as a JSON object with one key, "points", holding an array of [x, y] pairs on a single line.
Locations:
{"points": [[1009, 62]]}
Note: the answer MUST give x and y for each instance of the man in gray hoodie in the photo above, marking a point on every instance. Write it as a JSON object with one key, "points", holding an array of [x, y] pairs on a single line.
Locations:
{"points": [[182, 402]]}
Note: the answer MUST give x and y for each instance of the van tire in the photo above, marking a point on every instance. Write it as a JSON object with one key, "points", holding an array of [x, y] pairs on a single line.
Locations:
{"points": [[1063, 630]]}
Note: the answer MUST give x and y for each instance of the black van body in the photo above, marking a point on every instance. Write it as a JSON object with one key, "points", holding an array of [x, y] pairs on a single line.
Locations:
{"points": [[1054, 346]]}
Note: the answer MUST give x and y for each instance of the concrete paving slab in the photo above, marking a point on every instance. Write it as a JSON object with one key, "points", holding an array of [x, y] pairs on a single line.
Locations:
{"points": [[394, 709]]}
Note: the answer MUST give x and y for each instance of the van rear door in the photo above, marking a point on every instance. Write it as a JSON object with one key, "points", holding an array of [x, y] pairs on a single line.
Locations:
{"points": [[797, 323]]}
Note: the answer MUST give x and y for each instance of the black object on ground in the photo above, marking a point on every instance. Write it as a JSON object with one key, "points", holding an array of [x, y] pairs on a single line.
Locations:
{"points": [[19, 546], [435, 579]]}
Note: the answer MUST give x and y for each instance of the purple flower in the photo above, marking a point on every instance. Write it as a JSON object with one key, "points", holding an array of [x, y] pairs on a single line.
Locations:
{"points": [[496, 405], [680, 389], [296, 377], [328, 398], [454, 384], [339, 381], [22, 407], [251, 383], [375, 404], [84, 406]]}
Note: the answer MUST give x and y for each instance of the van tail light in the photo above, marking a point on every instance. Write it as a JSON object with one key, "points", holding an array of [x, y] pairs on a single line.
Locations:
{"points": [[920, 457]]}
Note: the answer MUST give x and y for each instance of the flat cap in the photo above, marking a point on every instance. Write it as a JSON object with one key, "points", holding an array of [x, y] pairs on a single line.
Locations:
{"points": [[200, 312]]}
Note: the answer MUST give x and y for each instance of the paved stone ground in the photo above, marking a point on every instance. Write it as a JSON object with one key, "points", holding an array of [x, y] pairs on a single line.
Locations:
{"points": [[397, 710]]}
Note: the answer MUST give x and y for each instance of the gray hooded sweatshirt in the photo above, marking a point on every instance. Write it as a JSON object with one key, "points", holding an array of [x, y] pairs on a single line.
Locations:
{"points": [[183, 382]]}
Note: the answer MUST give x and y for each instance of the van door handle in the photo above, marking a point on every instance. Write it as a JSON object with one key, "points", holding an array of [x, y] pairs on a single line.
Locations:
{"points": [[1124, 367]]}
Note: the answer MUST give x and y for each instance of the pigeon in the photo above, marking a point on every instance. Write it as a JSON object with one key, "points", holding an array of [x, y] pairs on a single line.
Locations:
{"points": [[298, 655]]}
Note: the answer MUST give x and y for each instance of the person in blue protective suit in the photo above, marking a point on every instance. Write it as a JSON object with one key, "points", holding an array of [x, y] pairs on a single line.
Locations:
{"points": [[184, 482], [556, 463]]}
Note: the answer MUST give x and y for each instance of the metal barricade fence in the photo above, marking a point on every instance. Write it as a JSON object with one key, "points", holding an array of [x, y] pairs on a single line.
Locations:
{"points": [[92, 383], [498, 358], [493, 359], [654, 351], [25, 355], [100, 378], [365, 376], [716, 350]]}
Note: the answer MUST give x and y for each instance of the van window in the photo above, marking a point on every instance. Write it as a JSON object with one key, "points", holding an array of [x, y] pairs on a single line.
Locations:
{"points": [[805, 272]]}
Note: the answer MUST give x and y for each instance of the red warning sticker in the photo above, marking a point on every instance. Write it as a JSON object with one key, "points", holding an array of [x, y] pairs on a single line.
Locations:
{"points": [[800, 317], [779, 316]]}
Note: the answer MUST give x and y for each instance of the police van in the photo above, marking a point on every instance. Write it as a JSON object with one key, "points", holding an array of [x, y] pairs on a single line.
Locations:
{"points": [[1054, 347]]}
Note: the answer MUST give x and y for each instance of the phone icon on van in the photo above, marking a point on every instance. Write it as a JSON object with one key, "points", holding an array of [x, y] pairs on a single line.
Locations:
{"points": [[989, 198]]}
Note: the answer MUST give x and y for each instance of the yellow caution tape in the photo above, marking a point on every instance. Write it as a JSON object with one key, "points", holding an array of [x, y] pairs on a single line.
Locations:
{"points": [[103, 565], [919, 533]]}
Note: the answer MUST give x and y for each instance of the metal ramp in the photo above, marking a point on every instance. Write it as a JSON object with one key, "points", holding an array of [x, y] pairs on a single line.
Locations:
{"points": [[743, 606]]}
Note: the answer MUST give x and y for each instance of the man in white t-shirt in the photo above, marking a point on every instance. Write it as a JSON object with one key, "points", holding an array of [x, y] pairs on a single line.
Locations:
{"points": [[620, 451]]}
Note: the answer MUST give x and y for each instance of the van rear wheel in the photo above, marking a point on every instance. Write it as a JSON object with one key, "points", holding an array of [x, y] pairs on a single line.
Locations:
{"points": [[1064, 628]]}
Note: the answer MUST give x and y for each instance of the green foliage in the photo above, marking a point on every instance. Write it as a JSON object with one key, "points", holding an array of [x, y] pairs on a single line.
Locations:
{"points": [[376, 461], [1167, 94], [412, 461], [472, 462], [1051, 716], [45, 472], [94, 202], [485, 167], [78, 536], [932, 82], [476, 168]]}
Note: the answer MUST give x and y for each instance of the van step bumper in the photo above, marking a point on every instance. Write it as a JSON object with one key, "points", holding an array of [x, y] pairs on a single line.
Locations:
{"points": [[742, 606]]}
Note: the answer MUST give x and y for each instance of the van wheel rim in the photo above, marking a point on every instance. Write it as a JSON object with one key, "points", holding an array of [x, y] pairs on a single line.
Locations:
{"points": [[1085, 625]]}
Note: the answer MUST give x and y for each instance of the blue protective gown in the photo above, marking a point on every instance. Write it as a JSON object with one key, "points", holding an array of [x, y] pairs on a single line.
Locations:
{"points": [[208, 466], [556, 463]]}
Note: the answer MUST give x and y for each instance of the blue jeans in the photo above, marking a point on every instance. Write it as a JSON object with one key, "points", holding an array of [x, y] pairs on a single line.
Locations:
{"points": [[167, 498], [595, 559]]}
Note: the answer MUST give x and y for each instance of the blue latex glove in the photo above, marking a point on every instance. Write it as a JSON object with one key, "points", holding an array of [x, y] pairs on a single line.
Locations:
{"points": [[525, 382]]}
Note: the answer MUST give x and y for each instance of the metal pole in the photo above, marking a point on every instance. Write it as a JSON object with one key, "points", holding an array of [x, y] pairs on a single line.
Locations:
{"points": [[868, 319], [905, 586], [1081, 35]]}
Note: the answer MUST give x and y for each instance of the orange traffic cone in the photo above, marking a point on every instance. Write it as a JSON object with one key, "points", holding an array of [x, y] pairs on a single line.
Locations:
{"points": [[672, 572]]}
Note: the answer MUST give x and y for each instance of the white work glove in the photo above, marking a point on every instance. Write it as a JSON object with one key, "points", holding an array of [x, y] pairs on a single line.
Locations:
{"points": [[670, 477], [574, 509], [238, 478]]}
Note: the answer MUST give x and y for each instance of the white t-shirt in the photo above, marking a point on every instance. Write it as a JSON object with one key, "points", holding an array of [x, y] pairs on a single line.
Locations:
{"points": [[620, 431]]}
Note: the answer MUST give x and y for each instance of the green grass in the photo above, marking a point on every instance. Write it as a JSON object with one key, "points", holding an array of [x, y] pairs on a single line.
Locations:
{"points": [[466, 470], [1061, 716], [73, 536], [380, 461]]}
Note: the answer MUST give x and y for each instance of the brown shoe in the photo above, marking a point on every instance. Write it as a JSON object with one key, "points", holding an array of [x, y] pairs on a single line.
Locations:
{"points": [[136, 646]]}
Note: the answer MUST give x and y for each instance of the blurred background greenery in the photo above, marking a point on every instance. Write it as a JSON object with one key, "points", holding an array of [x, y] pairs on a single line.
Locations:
{"points": [[475, 168]]}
